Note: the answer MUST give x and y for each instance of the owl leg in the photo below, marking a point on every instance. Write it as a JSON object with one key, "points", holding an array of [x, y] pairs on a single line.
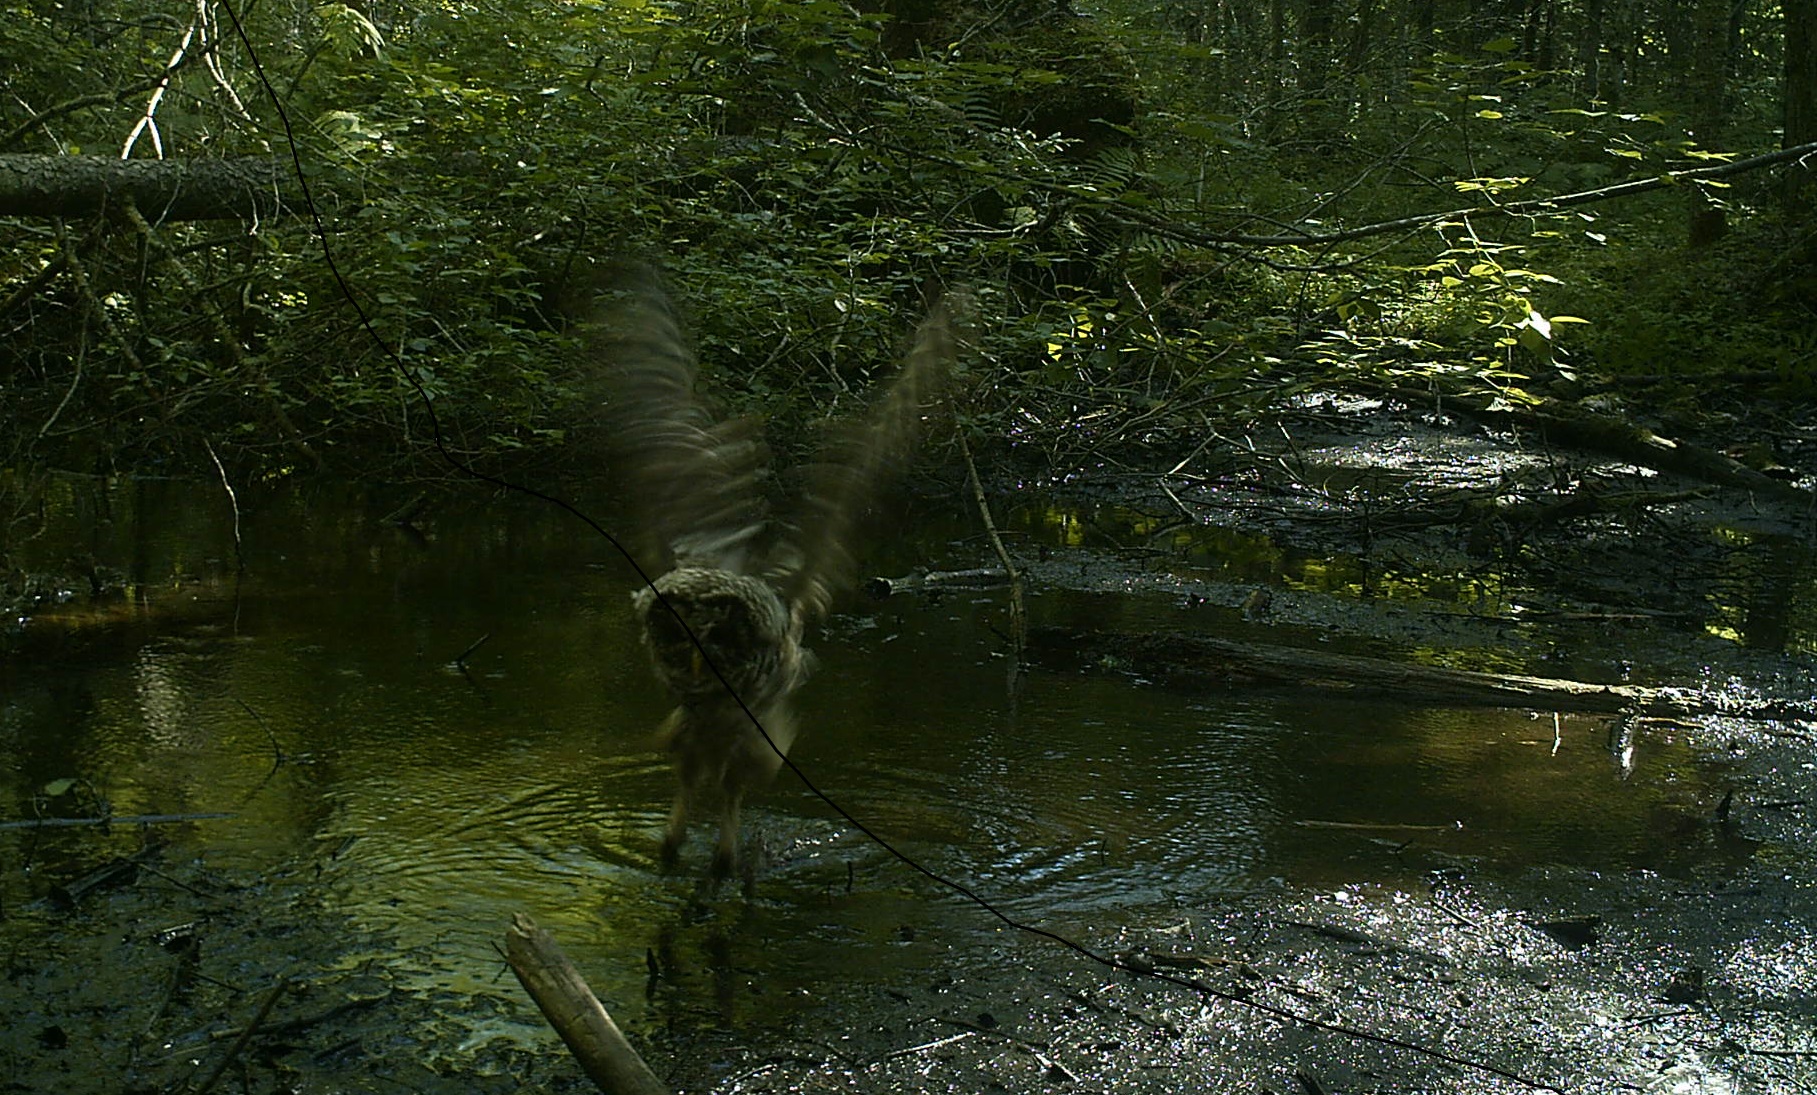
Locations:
{"points": [[752, 765], [676, 834], [687, 774], [725, 855]]}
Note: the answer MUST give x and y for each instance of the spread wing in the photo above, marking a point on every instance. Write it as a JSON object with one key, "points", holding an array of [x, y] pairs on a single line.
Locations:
{"points": [[695, 484], [817, 558]]}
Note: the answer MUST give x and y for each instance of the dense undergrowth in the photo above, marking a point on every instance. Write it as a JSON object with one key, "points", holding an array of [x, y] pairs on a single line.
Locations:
{"points": [[1167, 224]]}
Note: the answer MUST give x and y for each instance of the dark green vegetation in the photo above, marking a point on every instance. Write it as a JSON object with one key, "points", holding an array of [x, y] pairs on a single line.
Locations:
{"points": [[1172, 215]]}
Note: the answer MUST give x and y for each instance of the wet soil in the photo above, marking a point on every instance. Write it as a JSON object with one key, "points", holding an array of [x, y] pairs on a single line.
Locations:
{"points": [[1406, 963]]}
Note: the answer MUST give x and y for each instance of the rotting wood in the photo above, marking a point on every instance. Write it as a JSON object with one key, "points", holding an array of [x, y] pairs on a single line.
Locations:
{"points": [[576, 1014], [118, 871], [1175, 658], [936, 581]]}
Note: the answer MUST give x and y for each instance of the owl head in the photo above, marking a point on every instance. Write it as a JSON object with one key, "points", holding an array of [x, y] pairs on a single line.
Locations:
{"points": [[742, 627]]}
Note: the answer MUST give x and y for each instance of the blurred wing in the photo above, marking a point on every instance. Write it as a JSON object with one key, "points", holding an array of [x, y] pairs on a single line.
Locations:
{"points": [[818, 559], [696, 485]]}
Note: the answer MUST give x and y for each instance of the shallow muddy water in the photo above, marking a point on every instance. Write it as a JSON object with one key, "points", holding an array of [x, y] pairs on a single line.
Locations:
{"points": [[315, 701]]}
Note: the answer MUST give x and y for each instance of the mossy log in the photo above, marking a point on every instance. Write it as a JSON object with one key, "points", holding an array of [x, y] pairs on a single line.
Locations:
{"points": [[197, 188], [1181, 659]]}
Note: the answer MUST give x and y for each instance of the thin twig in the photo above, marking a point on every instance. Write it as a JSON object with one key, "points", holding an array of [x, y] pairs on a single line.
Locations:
{"points": [[233, 500], [461, 658], [276, 749], [148, 119], [1018, 613], [233, 1051]]}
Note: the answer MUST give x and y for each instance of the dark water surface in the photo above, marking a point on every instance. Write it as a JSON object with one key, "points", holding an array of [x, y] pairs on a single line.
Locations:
{"points": [[315, 700]]}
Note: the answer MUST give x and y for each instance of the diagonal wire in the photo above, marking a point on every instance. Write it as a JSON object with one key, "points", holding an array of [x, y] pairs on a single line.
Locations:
{"points": [[1285, 1015]]}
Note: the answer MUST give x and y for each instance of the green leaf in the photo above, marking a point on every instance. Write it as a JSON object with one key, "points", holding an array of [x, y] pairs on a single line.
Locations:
{"points": [[1535, 343], [1539, 323]]}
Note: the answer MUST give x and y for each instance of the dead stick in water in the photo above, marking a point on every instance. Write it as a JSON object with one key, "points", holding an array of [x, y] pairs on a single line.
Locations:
{"points": [[115, 872], [233, 500], [1018, 614], [575, 1013], [461, 659], [129, 819], [214, 1076]]}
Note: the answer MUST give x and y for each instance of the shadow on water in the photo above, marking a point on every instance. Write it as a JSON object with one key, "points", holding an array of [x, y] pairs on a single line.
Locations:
{"points": [[315, 699]]}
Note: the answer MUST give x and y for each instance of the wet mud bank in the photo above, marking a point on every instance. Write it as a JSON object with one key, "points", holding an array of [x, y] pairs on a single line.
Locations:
{"points": [[180, 978]]}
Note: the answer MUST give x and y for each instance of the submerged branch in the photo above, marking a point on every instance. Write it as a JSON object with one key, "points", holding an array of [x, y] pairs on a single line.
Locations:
{"points": [[129, 819]]}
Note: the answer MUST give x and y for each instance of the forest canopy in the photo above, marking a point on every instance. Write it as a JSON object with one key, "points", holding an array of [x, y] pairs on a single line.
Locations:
{"points": [[1173, 217]]}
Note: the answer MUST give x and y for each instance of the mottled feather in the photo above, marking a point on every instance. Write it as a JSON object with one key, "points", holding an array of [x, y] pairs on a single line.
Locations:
{"points": [[817, 560], [736, 593], [696, 486]]}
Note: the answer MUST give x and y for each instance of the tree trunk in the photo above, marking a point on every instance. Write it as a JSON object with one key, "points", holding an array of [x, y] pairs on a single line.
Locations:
{"points": [[1319, 111], [1315, 47], [1276, 68], [76, 187], [1589, 50], [1800, 102], [1709, 73]]}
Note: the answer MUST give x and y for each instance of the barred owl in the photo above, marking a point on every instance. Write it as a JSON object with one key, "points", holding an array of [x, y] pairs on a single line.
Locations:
{"points": [[737, 589]]}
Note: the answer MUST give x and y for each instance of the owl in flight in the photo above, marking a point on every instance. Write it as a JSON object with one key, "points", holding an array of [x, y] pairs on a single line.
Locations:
{"points": [[736, 587]]}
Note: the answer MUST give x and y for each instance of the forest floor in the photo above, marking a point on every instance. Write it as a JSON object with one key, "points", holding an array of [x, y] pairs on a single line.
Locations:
{"points": [[1484, 980]]}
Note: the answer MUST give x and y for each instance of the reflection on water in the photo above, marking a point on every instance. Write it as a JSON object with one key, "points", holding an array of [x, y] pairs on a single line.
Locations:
{"points": [[316, 700]]}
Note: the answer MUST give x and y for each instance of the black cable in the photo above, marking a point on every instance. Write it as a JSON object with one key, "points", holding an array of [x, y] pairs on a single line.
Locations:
{"points": [[1285, 1015]]}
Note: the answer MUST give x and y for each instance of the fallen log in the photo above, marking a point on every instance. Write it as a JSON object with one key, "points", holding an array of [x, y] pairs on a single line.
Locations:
{"points": [[575, 1013], [931, 581], [250, 188], [1172, 657]]}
